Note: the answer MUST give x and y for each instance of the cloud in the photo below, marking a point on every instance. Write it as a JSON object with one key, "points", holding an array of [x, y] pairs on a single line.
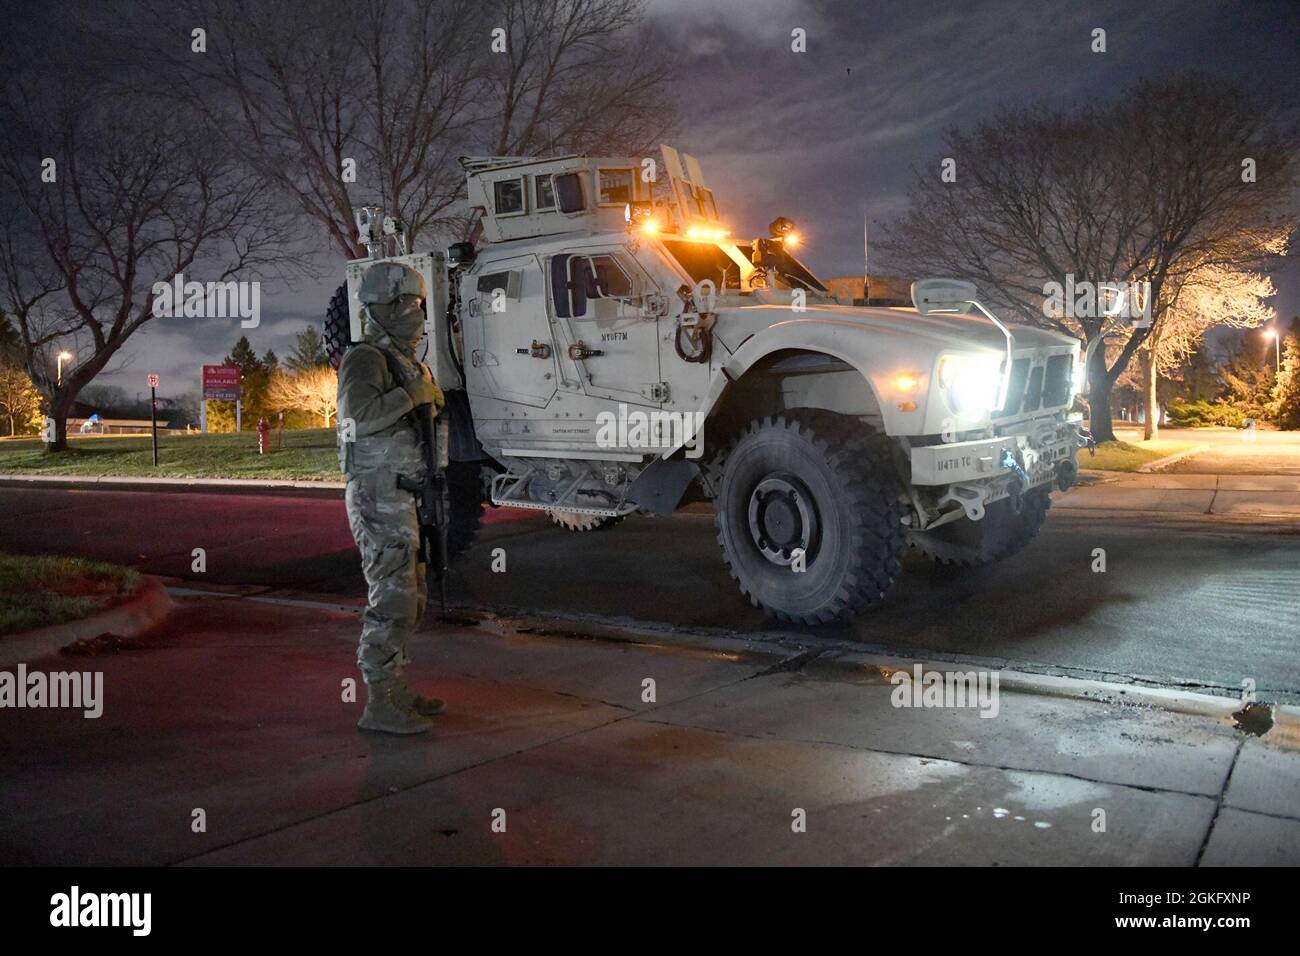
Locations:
{"points": [[832, 134]]}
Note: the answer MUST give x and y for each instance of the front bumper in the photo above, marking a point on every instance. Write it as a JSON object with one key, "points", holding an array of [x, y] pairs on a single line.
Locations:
{"points": [[977, 473]]}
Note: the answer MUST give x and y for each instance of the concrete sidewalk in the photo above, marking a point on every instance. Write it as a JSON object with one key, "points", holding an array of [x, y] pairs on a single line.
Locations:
{"points": [[235, 709], [1276, 496]]}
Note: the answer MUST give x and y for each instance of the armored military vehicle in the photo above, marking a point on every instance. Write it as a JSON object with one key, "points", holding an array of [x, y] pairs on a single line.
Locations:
{"points": [[608, 347]]}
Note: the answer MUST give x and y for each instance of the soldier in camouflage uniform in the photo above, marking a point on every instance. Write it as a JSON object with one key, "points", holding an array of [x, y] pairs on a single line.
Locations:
{"points": [[380, 383]]}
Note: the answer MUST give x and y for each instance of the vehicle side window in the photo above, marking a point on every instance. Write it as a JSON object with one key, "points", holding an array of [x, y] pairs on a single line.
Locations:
{"points": [[543, 193], [576, 279], [508, 197], [611, 282], [565, 294], [615, 187]]}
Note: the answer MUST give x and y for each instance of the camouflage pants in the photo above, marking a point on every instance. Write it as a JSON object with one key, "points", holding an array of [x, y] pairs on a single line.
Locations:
{"points": [[387, 532]]}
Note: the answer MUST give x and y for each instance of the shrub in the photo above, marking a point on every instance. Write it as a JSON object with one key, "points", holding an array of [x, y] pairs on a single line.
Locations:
{"points": [[1203, 414]]}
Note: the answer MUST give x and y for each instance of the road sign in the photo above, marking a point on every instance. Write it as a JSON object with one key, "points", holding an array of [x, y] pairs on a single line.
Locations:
{"points": [[221, 383], [153, 415]]}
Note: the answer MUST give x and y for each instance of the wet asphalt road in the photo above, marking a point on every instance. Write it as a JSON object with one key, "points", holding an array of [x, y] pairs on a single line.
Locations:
{"points": [[1178, 603]]}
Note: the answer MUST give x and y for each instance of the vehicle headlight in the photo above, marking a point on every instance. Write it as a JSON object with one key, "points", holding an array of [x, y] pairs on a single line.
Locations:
{"points": [[972, 383]]}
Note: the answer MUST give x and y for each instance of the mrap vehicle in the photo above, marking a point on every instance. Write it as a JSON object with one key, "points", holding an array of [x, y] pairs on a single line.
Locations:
{"points": [[607, 348]]}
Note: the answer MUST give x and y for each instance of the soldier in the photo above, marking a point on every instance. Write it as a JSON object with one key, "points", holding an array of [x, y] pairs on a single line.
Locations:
{"points": [[380, 383]]}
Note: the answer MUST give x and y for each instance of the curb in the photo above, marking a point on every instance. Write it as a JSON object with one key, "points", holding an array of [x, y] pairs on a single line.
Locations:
{"points": [[242, 486], [1285, 731], [129, 619], [783, 647], [1161, 463]]}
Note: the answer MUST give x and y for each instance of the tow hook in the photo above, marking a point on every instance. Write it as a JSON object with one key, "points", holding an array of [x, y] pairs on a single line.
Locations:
{"points": [[1087, 441], [1009, 461], [1067, 474]]}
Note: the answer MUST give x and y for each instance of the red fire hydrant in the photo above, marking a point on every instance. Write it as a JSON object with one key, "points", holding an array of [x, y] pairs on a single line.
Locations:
{"points": [[263, 436]]}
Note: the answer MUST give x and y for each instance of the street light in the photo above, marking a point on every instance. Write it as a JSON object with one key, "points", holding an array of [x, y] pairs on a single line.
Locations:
{"points": [[1277, 347], [64, 356]]}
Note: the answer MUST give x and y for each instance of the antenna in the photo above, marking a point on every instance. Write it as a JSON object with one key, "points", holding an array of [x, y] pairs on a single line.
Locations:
{"points": [[866, 261]]}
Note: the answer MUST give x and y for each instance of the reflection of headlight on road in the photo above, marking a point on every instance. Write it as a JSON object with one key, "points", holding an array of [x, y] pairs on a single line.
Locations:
{"points": [[972, 383]]}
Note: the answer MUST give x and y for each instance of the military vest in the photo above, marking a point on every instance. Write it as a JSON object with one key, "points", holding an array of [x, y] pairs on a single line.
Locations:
{"points": [[395, 448]]}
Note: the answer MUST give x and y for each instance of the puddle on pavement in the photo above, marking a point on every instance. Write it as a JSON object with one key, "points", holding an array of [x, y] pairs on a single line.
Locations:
{"points": [[1255, 719]]}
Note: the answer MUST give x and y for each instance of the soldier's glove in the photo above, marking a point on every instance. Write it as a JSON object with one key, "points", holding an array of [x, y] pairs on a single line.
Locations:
{"points": [[425, 391]]}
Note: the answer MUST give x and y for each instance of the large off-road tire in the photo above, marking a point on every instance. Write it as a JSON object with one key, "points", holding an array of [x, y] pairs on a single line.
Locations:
{"points": [[465, 511], [338, 330], [577, 521], [1007, 526], [816, 481]]}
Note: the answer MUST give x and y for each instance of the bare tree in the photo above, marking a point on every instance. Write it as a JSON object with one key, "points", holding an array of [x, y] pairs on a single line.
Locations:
{"points": [[102, 195], [397, 90], [339, 102], [1172, 177], [574, 75]]}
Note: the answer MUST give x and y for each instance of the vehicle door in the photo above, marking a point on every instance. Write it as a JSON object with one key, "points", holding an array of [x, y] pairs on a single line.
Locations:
{"points": [[600, 298], [508, 333]]}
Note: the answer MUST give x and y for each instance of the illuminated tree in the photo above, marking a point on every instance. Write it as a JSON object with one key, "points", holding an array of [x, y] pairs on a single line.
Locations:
{"points": [[1285, 407], [1212, 295], [20, 402], [312, 390], [1205, 178]]}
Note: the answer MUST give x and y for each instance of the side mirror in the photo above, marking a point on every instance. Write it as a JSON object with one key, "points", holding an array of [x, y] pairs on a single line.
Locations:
{"points": [[942, 295], [568, 192]]}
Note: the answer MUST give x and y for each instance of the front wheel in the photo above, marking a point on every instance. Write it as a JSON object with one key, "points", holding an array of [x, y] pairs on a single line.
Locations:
{"points": [[809, 517]]}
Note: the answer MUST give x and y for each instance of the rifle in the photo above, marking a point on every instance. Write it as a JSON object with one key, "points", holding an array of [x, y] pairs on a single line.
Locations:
{"points": [[430, 490]]}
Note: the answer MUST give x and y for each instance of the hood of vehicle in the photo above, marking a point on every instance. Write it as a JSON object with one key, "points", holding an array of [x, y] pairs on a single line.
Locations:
{"points": [[736, 324]]}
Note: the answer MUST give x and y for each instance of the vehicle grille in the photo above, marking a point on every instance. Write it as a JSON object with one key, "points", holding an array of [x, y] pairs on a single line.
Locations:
{"points": [[1036, 385]]}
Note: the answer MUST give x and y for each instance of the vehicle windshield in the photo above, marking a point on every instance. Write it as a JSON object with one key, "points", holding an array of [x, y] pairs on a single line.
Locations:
{"points": [[790, 272], [705, 260]]}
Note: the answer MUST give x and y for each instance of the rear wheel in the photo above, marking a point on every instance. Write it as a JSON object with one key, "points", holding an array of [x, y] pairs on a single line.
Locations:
{"points": [[338, 328], [808, 490], [1007, 526], [465, 511]]}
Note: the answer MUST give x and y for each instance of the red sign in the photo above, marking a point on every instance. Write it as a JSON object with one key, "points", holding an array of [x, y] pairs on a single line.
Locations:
{"points": [[153, 380], [221, 382]]}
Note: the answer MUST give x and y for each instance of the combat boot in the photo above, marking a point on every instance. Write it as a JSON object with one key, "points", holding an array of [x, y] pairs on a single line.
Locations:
{"points": [[383, 713], [424, 706]]}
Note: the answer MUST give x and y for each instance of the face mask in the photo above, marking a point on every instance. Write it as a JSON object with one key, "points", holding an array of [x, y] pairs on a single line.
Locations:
{"points": [[404, 325]]}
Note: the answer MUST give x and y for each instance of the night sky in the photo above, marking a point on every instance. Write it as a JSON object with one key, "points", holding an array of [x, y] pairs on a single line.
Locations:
{"points": [[826, 135]]}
